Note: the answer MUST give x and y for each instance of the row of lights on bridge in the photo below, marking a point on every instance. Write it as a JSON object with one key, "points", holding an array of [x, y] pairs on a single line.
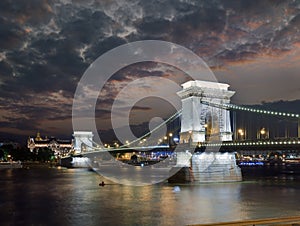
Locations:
{"points": [[259, 143], [261, 111], [117, 145]]}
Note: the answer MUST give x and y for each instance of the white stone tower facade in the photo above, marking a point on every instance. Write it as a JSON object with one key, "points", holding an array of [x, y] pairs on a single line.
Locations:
{"points": [[205, 122], [83, 141]]}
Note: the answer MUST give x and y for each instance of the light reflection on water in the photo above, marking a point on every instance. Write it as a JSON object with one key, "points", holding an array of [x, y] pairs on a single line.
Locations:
{"points": [[73, 197]]}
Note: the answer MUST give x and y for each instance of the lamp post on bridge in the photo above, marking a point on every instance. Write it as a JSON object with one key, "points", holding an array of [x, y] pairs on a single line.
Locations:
{"points": [[263, 134], [170, 139], [298, 127], [241, 134]]}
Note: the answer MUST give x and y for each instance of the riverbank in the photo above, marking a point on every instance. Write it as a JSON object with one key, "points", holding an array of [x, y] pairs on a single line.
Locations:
{"points": [[35, 164], [10, 165]]}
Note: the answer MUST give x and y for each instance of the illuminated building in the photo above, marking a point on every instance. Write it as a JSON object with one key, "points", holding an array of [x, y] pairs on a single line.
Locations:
{"points": [[58, 146]]}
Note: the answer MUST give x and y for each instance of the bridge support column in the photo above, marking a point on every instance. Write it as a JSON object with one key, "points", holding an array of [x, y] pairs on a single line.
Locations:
{"points": [[215, 167], [204, 167], [203, 116], [205, 119], [83, 141]]}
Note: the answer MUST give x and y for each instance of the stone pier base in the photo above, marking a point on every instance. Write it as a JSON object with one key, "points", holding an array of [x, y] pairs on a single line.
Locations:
{"points": [[181, 175], [206, 167], [215, 167]]}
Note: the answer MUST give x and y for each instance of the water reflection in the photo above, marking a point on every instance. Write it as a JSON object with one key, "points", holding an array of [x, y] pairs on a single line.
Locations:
{"points": [[73, 197]]}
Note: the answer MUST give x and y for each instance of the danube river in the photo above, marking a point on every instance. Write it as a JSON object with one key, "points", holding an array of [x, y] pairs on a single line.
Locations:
{"points": [[55, 196]]}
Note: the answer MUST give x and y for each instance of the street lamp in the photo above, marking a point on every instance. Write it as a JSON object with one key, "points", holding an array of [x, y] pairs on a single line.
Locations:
{"points": [[241, 134], [264, 133]]}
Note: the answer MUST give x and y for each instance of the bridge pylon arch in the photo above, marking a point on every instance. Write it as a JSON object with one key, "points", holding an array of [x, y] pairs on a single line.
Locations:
{"points": [[199, 100]]}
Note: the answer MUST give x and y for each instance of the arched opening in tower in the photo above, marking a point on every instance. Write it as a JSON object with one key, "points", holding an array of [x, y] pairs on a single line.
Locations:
{"points": [[212, 128]]}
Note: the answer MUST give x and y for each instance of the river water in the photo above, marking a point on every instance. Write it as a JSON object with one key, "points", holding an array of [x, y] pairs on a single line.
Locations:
{"points": [[54, 196]]}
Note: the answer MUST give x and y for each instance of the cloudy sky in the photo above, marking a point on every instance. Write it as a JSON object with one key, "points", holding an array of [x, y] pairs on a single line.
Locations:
{"points": [[47, 45]]}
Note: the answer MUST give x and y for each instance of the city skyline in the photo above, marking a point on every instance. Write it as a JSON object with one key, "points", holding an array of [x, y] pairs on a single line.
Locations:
{"points": [[46, 46]]}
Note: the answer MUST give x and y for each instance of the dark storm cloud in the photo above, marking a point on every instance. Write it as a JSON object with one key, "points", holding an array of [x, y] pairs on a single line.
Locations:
{"points": [[5, 69], [46, 45], [223, 30], [32, 11], [99, 47], [142, 69], [11, 35]]}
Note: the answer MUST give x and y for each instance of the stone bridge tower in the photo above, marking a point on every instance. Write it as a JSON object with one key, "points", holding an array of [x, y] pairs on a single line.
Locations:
{"points": [[83, 141], [205, 122], [205, 119]]}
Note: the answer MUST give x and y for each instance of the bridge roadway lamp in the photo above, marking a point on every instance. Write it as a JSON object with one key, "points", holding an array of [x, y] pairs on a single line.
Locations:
{"points": [[89, 93], [242, 134], [264, 134]]}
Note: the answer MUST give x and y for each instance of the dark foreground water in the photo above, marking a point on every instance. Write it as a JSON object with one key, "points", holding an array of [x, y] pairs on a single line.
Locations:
{"points": [[73, 197]]}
